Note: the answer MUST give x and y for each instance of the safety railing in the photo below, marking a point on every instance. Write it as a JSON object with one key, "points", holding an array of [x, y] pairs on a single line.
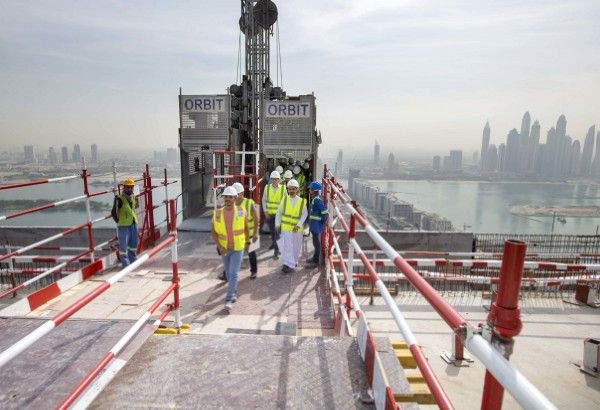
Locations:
{"points": [[226, 171], [19, 277], [486, 343]]}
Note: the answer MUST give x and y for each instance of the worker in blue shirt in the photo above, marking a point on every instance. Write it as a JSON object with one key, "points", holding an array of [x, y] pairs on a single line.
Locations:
{"points": [[317, 219]]}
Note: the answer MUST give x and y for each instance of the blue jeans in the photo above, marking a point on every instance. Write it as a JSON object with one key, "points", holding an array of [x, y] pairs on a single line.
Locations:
{"points": [[128, 238], [232, 261], [316, 239]]}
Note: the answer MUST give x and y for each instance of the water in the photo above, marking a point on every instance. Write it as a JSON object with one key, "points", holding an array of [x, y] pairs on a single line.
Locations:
{"points": [[484, 206], [69, 189]]}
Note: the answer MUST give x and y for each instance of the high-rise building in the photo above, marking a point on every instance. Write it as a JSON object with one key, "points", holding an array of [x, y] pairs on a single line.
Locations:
{"points": [[76, 154], [94, 154], [501, 157], [436, 163], [52, 157], [485, 143], [525, 124], [376, 154], [596, 161], [391, 164], [533, 147], [588, 152], [64, 155], [523, 153], [353, 173], [339, 163], [491, 162], [575, 162], [549, 161], [456, 159], [513, 147], [28, 155], [446, 163], [561, 126]]}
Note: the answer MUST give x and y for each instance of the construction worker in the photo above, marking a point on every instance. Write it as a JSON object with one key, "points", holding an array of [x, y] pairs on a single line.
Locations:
{"points": [[123, 213], [287, 175], [272, 196], [290, 218], [252, 214], [317, 219], [229, 231], [299, 176]]}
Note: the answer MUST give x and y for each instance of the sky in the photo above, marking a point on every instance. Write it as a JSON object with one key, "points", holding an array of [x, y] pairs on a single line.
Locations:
{"points": [[420, 77]]}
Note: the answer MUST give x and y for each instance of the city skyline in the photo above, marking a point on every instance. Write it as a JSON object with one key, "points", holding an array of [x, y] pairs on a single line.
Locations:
{"points": [[424, 76]]}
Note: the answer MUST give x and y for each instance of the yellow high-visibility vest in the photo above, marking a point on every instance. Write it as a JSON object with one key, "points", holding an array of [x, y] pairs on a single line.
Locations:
{"points": [[126, 214], [239, 234], [274, 198], [291, 214], [248, 205]]}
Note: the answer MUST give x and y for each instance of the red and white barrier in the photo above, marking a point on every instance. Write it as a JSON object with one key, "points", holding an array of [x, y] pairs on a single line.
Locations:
{"points": [[36, 299], [38, 182], [18, 347]]}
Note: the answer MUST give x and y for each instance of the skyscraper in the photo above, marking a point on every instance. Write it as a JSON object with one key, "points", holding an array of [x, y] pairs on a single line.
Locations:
{"points": [[94, 154], [513, 147], [549, 161], [561, 126], [525, 124], [491, 163], [436, 163], [533, 147], [456, 159], [376, 154], [339, 163], [501, 157], [485, 142], [523, 153], [588, 152], [28, 154], [575, 163], [52, 157], [596, 161], [76, 153], [65, 155], [391, 165]]}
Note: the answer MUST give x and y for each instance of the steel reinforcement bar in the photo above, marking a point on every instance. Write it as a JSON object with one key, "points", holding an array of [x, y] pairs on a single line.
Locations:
{"points": [[21, 345]]}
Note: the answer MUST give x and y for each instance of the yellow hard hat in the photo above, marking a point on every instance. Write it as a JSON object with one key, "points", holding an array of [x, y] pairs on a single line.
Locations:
{"points": [[128, 182]]}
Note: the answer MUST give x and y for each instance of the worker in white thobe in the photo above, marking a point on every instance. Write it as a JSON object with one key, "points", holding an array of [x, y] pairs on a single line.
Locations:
{"points": [[290, 218]]}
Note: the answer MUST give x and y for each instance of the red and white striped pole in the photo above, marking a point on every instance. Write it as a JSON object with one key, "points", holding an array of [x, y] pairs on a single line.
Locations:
{"points": [[18, 347], [38, 182], [175, 278], [86, 191]]}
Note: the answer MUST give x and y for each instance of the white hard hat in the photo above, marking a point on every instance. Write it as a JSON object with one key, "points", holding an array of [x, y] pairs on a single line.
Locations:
{"points": [[279, 169], [293, 182], [287, 174], [296, 170], [306, 165], [229, 191], [238, 187], [275, 174]]}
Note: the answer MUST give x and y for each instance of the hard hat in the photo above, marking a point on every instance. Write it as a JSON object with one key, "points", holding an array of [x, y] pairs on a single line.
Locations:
{"points": [[279, 169], [293, 182], [315, 186], [287, 174], [129, 182], [306, 165], [296, 170], [229, 191], [238, 187], [275, 174]]}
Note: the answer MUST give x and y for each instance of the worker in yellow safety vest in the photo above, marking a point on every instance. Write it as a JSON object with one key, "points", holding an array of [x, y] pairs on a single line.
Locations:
{"points": [[252, 215], [229, 231], [272, 196], [299, 176], [123, 213], [290, 218]]}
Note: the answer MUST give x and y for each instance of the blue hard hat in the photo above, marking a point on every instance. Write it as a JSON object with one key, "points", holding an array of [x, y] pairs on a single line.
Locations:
{"points": [[315, 186]]}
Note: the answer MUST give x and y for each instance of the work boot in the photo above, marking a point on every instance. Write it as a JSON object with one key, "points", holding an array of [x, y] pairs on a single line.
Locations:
{"points": [[228, 306], [222, 276], [252, 275]]}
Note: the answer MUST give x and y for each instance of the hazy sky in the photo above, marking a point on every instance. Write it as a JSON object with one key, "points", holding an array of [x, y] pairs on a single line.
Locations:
{"points": [[422, 76]]}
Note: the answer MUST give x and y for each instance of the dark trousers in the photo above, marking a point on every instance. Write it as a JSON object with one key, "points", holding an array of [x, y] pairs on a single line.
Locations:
{"points": [[252, 259], [316, 239], [274, 233]]}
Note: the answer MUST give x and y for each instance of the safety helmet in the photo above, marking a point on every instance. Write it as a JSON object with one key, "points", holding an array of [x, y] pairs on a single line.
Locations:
{"points": [[315, 186], [275, 174], [129, 182], [279, 169], [288, 174], [239, 188], [306, 165], [296, 170], [293, 182], [229, 191]]}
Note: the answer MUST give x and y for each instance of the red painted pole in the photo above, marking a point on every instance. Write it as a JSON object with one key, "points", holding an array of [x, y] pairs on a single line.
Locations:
{"points": [[150, 206], [504, 317], [86, 191], [174, 260]]}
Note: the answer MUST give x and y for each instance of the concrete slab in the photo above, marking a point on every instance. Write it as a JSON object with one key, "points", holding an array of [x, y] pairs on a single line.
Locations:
{"points": [[44, 374], [282, 372]]}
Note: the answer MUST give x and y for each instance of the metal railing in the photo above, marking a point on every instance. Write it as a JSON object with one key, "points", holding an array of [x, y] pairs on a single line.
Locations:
{"points": [[502, 324]]}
